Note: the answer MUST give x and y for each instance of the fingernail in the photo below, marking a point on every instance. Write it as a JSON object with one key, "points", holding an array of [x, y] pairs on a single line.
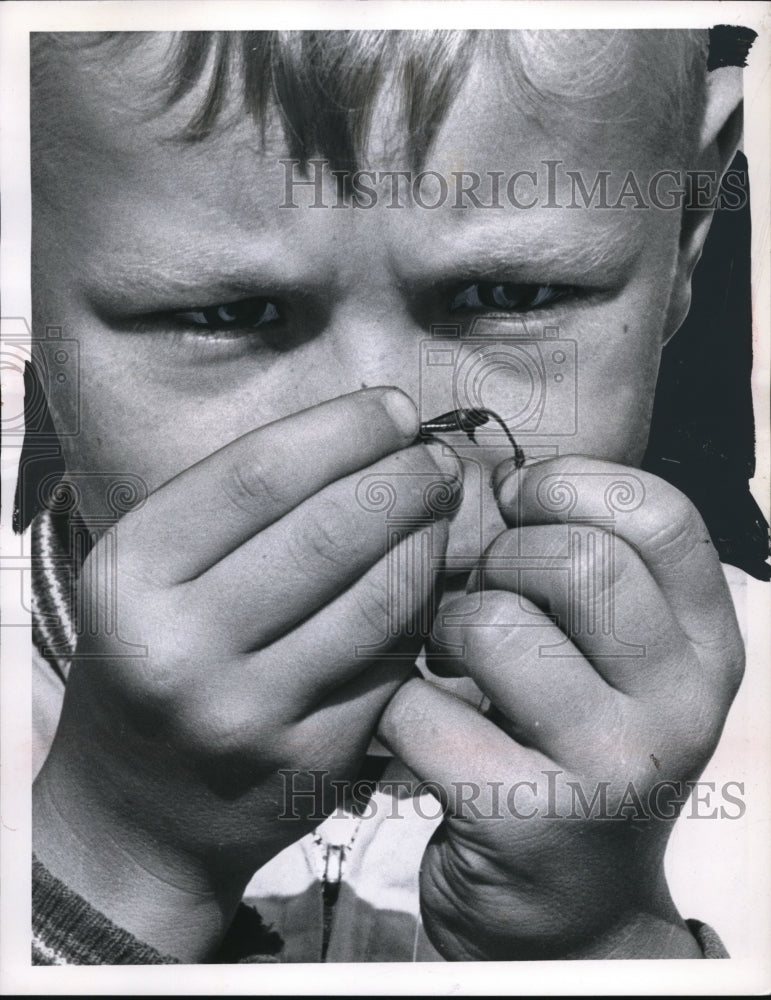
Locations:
{"points": [[402, 411]]}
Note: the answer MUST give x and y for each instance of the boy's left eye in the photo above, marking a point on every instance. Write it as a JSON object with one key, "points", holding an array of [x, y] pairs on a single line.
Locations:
{"points": [[246, 314], [506, 295]]}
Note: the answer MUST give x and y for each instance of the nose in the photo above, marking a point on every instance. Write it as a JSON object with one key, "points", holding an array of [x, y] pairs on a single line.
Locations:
{"points": [[381, 344], [387, 347]]}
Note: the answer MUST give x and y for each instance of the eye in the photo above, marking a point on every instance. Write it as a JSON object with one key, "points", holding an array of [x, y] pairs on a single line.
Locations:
{"points": [[247, 314], [507, 296]]}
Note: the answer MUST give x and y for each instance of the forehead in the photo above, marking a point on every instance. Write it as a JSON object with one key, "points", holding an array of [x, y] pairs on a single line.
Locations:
{"points": [[109, 160]]}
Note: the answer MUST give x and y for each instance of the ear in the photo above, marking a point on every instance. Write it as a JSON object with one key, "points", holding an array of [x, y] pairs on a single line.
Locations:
{"points": [[719, 140]]}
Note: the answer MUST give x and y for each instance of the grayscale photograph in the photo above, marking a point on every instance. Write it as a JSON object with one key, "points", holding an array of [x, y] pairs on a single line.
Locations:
{"points": [[385, 497]]}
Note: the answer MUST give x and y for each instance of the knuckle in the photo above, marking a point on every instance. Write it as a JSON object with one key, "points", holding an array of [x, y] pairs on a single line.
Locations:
{"points": [[601, 558], [249, 487], [220, 725], [327, 536], [675, 529], [410, 710], [374, 611], [502, 612], [497, 609], [153, 688], [546, 541]]}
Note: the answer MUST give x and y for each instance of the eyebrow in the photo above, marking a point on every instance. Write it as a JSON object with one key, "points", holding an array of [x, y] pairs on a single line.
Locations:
{"points": [[565, 255], [198, 276], [186, 278]]}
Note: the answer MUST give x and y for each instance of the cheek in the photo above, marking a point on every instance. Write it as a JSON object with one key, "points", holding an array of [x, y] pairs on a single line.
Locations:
{"points": [[130, 433], [143, 420], [616, 382]]}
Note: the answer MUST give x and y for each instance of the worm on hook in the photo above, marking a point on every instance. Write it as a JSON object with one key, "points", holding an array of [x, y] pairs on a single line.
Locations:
{"points": [[467, 420]]}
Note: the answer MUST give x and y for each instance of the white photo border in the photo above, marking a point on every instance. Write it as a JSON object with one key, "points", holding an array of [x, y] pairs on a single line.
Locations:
{"points": [[747, 973]]}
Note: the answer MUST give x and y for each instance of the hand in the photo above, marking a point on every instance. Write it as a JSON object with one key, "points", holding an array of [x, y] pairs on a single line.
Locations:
{"points": [[508, 875], [250, 579]]}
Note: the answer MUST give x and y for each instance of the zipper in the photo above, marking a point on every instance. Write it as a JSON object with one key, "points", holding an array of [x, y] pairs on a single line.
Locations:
{"points": [[335, 854], [330, 890]]}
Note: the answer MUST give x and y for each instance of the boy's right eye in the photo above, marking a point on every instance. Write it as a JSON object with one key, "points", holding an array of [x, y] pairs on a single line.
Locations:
{"points": [[246, 314]]}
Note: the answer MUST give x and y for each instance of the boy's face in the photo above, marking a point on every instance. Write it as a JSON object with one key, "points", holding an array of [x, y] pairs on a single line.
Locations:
{"points": [[132, 229]]}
